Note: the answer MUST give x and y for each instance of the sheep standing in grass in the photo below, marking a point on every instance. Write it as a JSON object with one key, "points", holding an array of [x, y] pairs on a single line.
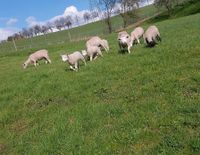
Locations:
{"points": [[35, 57], [137, 34], [151, 35], [98, 42], [73, 60], [92, 52], [125, 41], [105, 45]]}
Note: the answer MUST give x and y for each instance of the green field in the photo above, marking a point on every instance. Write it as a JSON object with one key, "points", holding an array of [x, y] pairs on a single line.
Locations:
{"points": [[146, 102]]}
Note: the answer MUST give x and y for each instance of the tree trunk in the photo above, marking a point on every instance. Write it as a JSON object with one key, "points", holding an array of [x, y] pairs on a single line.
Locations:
{"points": [[14, 44], [108, 21], [69, 35]]}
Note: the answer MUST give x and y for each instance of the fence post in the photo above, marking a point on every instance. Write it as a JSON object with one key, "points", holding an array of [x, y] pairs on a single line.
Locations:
{"points": [[69, 35], [14, 44], [31, 42]]}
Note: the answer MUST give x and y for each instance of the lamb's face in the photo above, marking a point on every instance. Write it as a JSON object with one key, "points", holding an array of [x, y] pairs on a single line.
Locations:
{"points": [[124, 39], [64, 58], [24, 65], [84, 52]]}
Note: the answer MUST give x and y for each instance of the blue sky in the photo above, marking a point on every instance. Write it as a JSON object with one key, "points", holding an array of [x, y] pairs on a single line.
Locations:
{"points": [[14, 13], [40, 9]]}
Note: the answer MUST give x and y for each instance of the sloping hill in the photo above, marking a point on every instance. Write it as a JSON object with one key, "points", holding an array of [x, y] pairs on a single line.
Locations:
{"points": [[146, 102]]}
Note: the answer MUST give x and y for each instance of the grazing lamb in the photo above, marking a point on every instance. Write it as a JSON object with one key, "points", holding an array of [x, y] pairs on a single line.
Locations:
{"points": [[92, 52], [35, 57], [73, 60], [124, 41], [98, 42], [105, 44], [151, 35], [137, 34]]}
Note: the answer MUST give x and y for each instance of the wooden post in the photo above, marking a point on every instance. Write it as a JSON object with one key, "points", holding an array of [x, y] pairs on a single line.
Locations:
{"points": [[14, 44], [69, 35]]}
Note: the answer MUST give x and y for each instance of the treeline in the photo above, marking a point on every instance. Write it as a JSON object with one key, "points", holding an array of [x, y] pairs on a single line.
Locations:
{"points": [[100, 10]]}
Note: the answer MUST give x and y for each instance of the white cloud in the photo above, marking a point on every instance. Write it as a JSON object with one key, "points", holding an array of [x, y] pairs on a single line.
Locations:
{"points": [[71, 11], [12, 21], [31, 21], [5, 32]]}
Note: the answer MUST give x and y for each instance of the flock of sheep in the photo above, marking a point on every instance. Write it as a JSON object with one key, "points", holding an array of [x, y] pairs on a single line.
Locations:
{"points": [[96, 45]]}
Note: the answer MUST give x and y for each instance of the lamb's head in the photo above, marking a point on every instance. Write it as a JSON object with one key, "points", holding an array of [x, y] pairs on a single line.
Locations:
{"points": [[84, 53], [24, 65], [150, 42], [64, 58], [124, 38]]}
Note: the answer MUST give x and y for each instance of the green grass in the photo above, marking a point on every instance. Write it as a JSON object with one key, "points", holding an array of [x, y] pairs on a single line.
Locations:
{"points": [[146, 102]]}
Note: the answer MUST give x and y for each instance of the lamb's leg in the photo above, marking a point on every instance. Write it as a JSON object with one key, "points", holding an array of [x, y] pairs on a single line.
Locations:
{"points": [[48, 60], [129, 48], [158, 38], [95, 57], [100, 53], [76, 66], [91, 57], [129, 51], [35, 63], [83, 59], [138, 40]]}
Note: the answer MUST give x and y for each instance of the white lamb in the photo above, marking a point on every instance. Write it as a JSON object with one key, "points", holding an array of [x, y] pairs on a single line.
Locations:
{"points": [[136, 34], [105, 44], [125, 41], [35, 57], [151, 35], [92, 52], [73, 60], [98, 42]]}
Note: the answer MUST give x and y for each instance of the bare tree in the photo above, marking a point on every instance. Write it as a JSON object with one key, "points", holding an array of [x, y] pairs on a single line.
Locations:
{"points": [[16, 36], [49, 26], [94, 14], [128, 10], [57, 24], [168, 4], [37, 29], [107, 6], [44, 29], [25, 33], [86, 16], [62, 22], [68, 21], [77, 19]]}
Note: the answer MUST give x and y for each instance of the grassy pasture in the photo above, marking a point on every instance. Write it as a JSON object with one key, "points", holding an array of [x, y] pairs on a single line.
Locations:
{"points": [[146, 102]]}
